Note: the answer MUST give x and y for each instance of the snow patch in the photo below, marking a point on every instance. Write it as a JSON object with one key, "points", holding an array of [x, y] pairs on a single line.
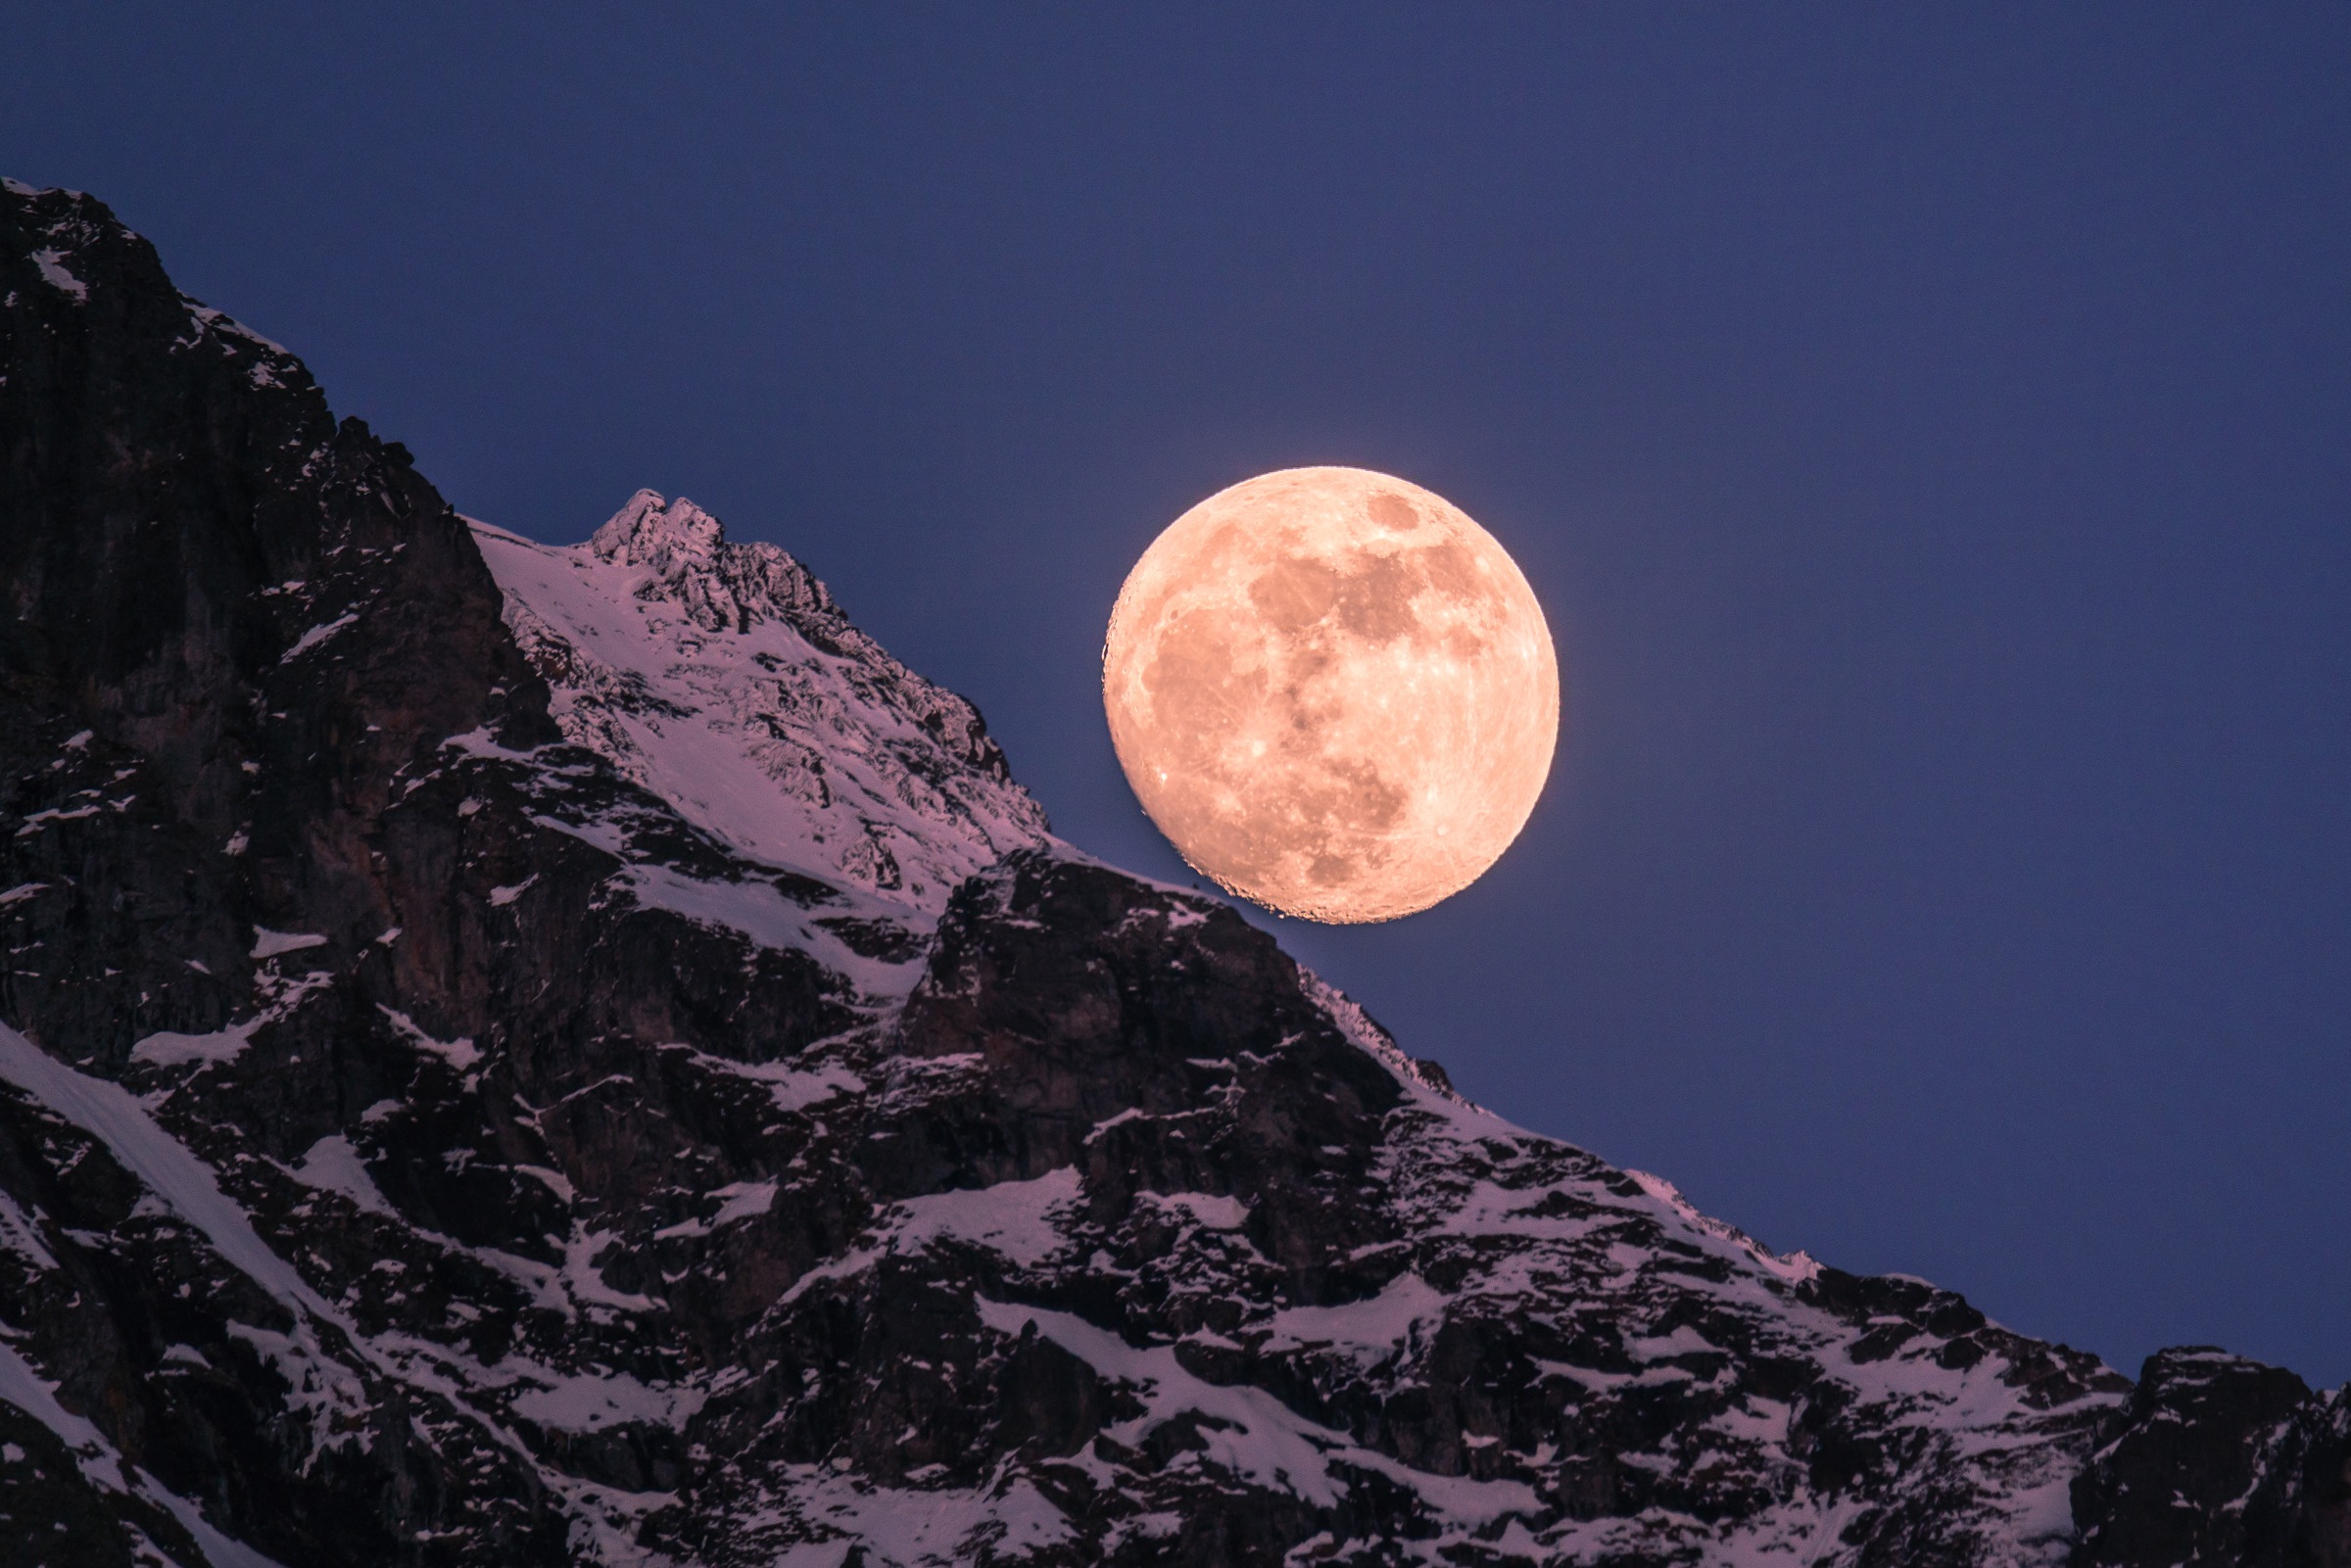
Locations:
{"points": [[221, 321], [267, 943], [587, 1401], [793, 1088], [54, 273], [316, 636], [756, 910], [1210, 1210], [744, 1199], [797, 1091], [1012, 1218], [1367, 1331], [165, 1049], [18, 1234], [332, 1165], [909, 1528], [460, 1053]]}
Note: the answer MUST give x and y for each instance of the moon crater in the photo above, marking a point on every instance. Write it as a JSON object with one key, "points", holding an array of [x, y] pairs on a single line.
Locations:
{"points": [[1334, 693]]}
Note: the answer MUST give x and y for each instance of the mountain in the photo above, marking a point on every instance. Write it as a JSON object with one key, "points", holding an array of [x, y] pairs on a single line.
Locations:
{"points": [[722, 677], [517, 1055]]}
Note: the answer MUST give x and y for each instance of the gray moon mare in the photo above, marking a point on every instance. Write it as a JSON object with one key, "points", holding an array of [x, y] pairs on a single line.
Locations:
{"points": [[1333, 692]]}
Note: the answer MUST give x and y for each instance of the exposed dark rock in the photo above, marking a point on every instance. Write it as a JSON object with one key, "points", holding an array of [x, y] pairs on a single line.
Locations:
{"points": [[2219, 1460]]}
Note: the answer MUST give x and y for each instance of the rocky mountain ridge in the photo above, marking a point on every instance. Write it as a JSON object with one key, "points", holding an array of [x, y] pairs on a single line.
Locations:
{"points": [[514, 1054], [722, 677]]}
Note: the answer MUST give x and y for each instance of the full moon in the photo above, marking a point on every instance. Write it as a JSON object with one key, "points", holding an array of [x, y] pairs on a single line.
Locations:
{"points": [[1334, 693]]}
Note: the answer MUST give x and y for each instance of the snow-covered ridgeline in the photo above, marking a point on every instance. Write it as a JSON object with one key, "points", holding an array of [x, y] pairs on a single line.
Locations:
{"points": [[722, 677]]}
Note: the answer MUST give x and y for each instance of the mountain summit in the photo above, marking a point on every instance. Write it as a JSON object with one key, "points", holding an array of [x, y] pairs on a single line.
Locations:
{"points": [[529, 1055], [722, 677]]}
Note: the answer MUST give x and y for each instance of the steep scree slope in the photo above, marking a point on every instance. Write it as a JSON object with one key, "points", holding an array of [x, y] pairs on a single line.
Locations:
{"points": [[614, 1070]]}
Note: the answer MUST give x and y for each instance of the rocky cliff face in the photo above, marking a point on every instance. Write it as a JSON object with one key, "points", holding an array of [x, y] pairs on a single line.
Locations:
{"points": [[2219, 1460], [516, 1055]]}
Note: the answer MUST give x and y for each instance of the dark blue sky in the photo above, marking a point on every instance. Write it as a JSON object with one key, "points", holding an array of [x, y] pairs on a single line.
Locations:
{"points": [[1929, 429]]}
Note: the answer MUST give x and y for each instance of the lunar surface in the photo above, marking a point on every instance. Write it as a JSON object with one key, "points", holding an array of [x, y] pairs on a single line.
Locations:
{"points": [[1334, 693]]}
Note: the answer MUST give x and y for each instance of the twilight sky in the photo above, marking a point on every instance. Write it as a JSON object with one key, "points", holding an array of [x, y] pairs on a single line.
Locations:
{"points": [[1929, 431]]}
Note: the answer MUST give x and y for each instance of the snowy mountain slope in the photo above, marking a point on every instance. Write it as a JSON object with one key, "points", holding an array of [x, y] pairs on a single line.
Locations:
{"points": [[723, 679], [468, 1098]]}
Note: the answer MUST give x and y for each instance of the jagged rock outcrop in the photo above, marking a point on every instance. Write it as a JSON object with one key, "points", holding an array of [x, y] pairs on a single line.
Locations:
{"points": [[2220, 1461], [523, 1055]]}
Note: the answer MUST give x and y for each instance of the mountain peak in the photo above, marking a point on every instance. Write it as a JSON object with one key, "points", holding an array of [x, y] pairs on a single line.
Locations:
{"points": [[722, 586], [651, 530], [763, 715]]}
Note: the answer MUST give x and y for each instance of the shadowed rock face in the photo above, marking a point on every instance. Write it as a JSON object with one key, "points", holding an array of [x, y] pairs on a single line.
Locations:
{"points": [[2217, 1461], [425, 1141]]}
